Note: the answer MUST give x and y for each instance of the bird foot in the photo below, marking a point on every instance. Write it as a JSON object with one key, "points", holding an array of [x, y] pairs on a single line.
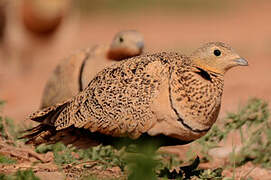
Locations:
{"points": [[184, 171]]}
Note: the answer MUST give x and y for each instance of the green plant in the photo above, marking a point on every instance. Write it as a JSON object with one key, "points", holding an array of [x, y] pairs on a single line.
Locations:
{"points": [[7, 127], [215, 174], [211, 140], [253, 114], [62, 153], [143, 163], [169, 161], [255, 131], [251, 122], [2, 103], [107, 155], [20, 175], [6, 160]]}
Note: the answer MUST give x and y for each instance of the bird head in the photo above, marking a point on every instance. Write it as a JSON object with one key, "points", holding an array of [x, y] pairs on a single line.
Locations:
{"points": [[217, 57], [126, 44]]}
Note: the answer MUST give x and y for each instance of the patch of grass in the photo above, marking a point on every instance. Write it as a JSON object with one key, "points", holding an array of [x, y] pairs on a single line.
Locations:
{"points": [[8, 130], [6, 160], [2, 103], [64, 156], [26, 175], [214, 174], [169, 161], [253, 114], [107, 155], [138, 162], [211, 140], [252, 125], [143, 163], [62, 153], [255, 132], [7, 126], [20, 175], [2, 131]]}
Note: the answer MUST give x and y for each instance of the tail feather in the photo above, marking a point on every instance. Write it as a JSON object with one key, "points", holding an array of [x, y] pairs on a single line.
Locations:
{"points": [[47, 134], [48, 115], [43, 132], [39, 134]]}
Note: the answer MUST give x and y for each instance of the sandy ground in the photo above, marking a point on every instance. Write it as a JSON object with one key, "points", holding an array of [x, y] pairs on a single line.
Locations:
{"points": [[29, 61]]}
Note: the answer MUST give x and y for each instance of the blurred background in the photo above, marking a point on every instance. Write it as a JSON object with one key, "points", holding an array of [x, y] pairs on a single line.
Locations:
{"points": [[36, 34]]}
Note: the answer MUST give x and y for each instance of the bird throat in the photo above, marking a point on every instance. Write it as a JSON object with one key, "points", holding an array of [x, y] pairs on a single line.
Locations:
{"points": [[117, 54], [121, 54]]}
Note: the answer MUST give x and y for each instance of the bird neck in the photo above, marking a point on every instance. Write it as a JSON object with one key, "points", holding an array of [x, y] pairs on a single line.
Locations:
{"points": [[216, 79], [117, 54], [207, 65]]}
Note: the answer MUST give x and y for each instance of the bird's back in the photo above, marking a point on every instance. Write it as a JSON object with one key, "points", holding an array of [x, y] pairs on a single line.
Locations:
{"points": [[64, 82]]}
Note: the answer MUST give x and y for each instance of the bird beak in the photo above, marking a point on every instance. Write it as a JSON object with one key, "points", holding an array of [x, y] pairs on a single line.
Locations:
{"points": [[241, 62]]}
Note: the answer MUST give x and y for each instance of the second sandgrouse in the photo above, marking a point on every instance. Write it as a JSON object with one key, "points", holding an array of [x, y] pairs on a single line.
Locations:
{"points": [[74, 73]]}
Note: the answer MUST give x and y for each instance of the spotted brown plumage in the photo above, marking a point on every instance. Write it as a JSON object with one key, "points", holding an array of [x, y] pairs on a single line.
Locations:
{"points": [[74, 73], [163, 95]]}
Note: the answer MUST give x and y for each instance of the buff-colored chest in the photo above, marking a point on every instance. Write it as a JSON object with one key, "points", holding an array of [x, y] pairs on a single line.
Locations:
{"points": [[187, 106]]}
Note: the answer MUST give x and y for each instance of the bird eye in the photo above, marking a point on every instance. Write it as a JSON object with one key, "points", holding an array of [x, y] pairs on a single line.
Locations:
{"points": [[217, 52], [121, 39]]}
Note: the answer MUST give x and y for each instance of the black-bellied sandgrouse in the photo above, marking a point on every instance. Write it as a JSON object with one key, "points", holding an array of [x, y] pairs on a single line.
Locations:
{"points": [[74, 73], [168, 97]]}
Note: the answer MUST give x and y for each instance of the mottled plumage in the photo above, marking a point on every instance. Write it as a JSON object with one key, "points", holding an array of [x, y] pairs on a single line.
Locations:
{"points": [[160, 95], [74, 73]]}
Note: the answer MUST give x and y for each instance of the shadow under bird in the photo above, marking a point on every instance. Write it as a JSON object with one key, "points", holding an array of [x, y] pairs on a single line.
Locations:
{"points": [[165, 98]]}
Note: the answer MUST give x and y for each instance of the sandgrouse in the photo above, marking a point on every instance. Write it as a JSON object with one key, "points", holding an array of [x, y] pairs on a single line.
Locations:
{"points": [[168, 97], [73, 74]]}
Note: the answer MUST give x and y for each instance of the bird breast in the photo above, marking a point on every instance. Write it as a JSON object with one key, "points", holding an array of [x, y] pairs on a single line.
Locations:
{"points": [[187, 107]]}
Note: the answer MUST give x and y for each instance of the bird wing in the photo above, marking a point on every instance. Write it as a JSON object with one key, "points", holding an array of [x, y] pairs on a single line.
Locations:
{"points": [[116, 102]]}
